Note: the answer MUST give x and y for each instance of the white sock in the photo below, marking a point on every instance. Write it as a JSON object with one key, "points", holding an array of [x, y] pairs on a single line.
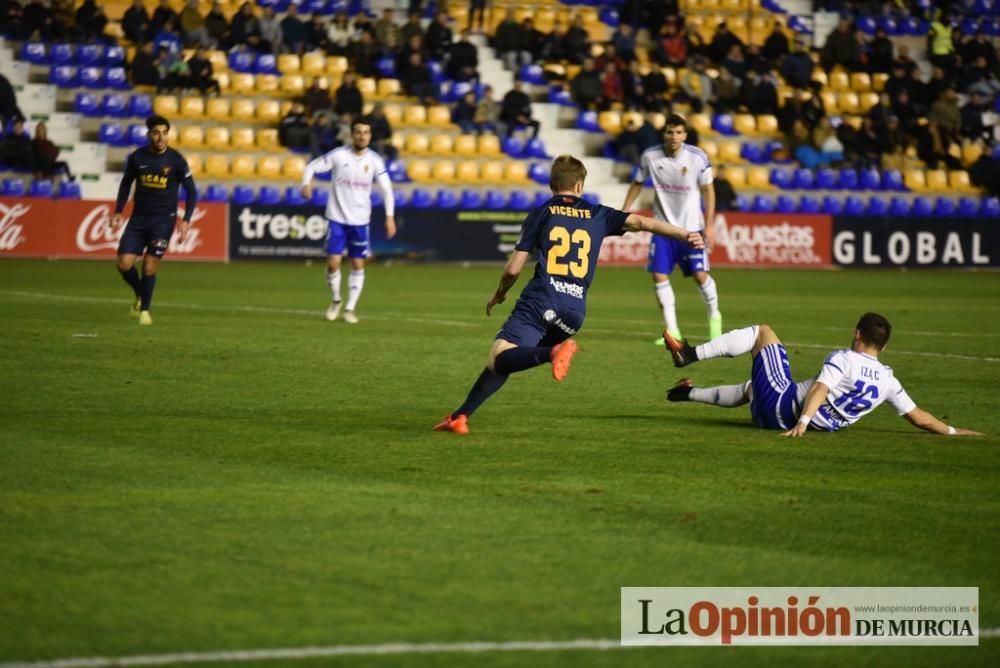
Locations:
{"points": [[727, 396], [355, 283], [333, 282], [730, 344], [711, 296], [668, 302]]}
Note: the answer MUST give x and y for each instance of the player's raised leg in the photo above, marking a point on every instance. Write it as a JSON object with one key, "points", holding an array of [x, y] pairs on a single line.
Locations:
{"points": [[731, 344]]}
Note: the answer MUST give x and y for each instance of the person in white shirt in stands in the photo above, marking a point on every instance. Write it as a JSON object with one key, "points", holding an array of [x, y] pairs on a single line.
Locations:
{"points": [[682, 177], [348, 211], [851, 384]]}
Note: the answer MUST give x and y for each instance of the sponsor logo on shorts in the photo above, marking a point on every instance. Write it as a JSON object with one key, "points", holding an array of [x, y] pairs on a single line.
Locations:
{"points": [[553, 319]]}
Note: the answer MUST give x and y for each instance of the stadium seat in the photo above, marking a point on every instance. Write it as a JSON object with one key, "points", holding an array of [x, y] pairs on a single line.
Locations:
{"points": [[319, 197], [762, 204], [417, 143], [785, 204], [268, 111], [443, 171], [752, 153], [854, 206], [243, 166], [40, 188], [388, 88], [368, 87], [737, 176], [13, 187], [111, 133], [990, 207], [867, 100], [471, 199], [892, 179], [268, 84], [488, 145], [88, 54], [192, 107], [968, 207], [114, 104], [311, 64], [402, 199], [35, 53], [465, 145], [809, 204], [269, 167], [803, 179], [519, 200], [921, 206], [137, 134], [860, 82], [421, 199], [88, 105], [467, 171], [723, 124], [899, 206], [269, 195], [217, 166], [871, 179], [513, 146], [191, 136], [114, 56], [195, 164], [115, 77], [241, 83], [419, 170], [877, 206], [702, 123], [937, 180], [70, 190], [166, 106], [242, 139], [745, 124], [292, 85], [730, 152], [536, 149], [397, 171], [491, 172], [140, 106], [781, 179], [217, 137], [758, 178], [827, 179], [849, 179], [336, 65], [446, 199], [241, 61], [64, 76], [245, 195], [416, 116], [944, 207], [587, 121], [915, 180], [610, 122], [215, 192], [293, 167], [849, 102], [516, 173], [958, 180], [832, 205], [539, 173], [287, 63], [839, 80], [62, 54]]}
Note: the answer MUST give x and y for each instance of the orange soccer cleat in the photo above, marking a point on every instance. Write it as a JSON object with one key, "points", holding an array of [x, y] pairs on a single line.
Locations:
{"points": [[459, 424], [562, 354]]}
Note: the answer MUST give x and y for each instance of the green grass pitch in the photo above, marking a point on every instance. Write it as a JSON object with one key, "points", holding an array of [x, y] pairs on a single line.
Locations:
{"points": [[245, 475]]}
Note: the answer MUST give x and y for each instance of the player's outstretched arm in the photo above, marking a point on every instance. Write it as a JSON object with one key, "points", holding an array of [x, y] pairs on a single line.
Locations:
{"points": [[638, 223], [507, 279], [633, 191], [814, 399], [921, 419]]}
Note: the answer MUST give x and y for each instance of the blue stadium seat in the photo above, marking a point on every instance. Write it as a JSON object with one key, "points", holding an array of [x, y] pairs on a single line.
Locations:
{"points": [[244, 195], [892, 179], [774, 149], [319, 196], [827, 179], [763, 204], [752, 153], [944, 207], [495, 199], [587, 120], [912, 26], [61, 54], [115, 105], [849, 179], [87, 104], [446, 199], [114, 56], [990, 207], [532, 73], [137, 135], [321, 7], [798, 24], [803, 179], [854, 206], [519, 200], [269, 195], [437, 71], [241, 61], [13, 187], [809, 204], [266, 63], [609, 17], [471, 199], [968, 207], [866, 24], [35, 53], [115, 77], [215, 192], [112, 134], [397, 171], [70, 190], [90, 54], [781, 179], [293, 196], [877, 206], [559, 95], [539, 173], [871, 179], [64, 76], [40, 188], [786, 204], [513, 146], [723, 124], [742, 203], [536, 149], [593, 198], [386, 67], [401, 198], [92, 77], [899, 206], [889, 25], [922, 206], [140, 106], [969, 26], [375, 196], [421, 199], [541, 197]]}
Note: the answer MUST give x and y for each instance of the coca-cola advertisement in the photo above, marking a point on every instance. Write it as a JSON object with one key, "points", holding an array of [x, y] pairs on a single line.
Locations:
{"points": [[36, 227]]}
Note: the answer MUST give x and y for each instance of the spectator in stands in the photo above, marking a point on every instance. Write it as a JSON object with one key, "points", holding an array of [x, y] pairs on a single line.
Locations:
{"points": [[322, 135], [726, 93], [381, 141], [439, 36], [93, 29], [168, 38], [38, 18], [16, 149], [64, 14], [363, 24], [907, 111], [173, 72], [532, 42], [776, 45], [904, 60], [339, 34], [893, 142], [672, 46], [824, 138], [935, 86], [293, 31], [721, 46], [507, 41], [161, 15], [136, 23], [869, 143], [47, 161], [202, 72], [636, 138], [623, 39], [488, 113], [797, 107], [386, 30], [735, 62], [897, 82], [632, 88], [515, 110], [270, 29], [554, 44], [611, 84], [979, 74], [463, 60], [143, 66], [697, 87], [217, 26], [8, 103], [759, 94], [11, 20], [654, 83], [244, 30], [842, 48], [363, 53], [316, 39], [586, 88], [463, 114], [414, 45], [294, 131], [316, 98], [477, 15], [348, 100], [412, 28], [941, 42], [985, 173], [577, 41], [606, 55], [797, 68], [946, 113], [974, 127], [799, 142], [880, 53], [417, 79], [725, 194], [193, 28]]}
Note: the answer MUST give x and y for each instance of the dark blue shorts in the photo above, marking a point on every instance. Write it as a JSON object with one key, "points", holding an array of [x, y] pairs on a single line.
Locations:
{"points": [[533, 323], [773, 405], [149, 234], [665, 253], [353, 238]]}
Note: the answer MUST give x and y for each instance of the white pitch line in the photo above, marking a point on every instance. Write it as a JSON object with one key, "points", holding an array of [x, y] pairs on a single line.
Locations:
{"points": [[431, 319], [304, 653]]}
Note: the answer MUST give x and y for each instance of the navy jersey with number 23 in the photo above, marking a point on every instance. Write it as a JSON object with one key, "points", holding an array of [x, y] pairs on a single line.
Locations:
{"points": [[565, 236]]}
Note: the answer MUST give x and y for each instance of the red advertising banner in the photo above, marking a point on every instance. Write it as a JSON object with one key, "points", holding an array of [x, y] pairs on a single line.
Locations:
{"points": [[81, 229]]}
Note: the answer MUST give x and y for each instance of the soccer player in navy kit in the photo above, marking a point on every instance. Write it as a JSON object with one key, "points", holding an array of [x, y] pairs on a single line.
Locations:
{"points": [[565, 236], [157, 171]]}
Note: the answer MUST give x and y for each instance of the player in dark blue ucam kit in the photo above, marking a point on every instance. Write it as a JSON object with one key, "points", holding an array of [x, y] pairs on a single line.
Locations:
{"points": [[565, 236], [157, 171]]}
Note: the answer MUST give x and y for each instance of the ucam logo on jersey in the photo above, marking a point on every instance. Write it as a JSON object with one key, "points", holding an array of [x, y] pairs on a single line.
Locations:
{"points": [[771, 240]]}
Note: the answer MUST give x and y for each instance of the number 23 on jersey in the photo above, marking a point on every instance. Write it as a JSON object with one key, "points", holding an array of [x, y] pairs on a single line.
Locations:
{"points": [[570, 252]]}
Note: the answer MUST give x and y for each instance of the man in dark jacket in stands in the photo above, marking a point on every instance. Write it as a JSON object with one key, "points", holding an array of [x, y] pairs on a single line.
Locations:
{"points": [[439, 36], [136, 22], [348, 99], [515, 109]]}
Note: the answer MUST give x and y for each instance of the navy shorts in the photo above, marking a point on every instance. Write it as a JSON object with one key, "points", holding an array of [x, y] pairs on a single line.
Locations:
{"points": [[353, 238], [774, 404], [533, 323], [150, 234], [665, 253]]}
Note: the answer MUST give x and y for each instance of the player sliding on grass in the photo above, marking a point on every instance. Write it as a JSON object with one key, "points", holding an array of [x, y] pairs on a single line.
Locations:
{"points": [[851, 384], [565, 236]]}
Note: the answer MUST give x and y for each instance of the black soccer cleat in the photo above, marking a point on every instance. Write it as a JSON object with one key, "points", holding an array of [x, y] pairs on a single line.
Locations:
{"points": [[681, 391], [682, 353]]}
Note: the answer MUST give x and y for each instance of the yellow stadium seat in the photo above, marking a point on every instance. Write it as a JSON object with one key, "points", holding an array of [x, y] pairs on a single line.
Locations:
{"points": [[702, 123], [878, 81], [758, 178], [417, 144], [767, 125], [971, 153], [937, 180], [830, 102], [915, 180], [217, 109], [489, 145], [268, 111], [393, 114], [515, 172], [293, 167], [860, 82], [336, 65], [165, 105], [242, 166], [217, 166], [729, 152], [467, 172], [671, 75], [387, 88], [839, 80], [632, 119], [610, 121], [267, 138], [414, 115], [491, 171], [867, 100], [191, 136], [820, 76], [289, 63], [267, 83], [849, 102], [242, 110], [737, 176], [241, 83], [439, 116], [217, 137], [195, 163], [710, 148], [269, 167], [443, 171], [465, 145], [441, 144], [192, 107], [242, 139], [958, 179], [419, 170], [854, 121], [745, 124], [293, 84], [220, 63], [222, 78], [313, 64], [367, 87]]}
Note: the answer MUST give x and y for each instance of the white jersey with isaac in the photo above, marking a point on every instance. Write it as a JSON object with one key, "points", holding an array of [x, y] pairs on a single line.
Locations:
{"points": [[351, 181], [678, 183], [858, 384]]}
